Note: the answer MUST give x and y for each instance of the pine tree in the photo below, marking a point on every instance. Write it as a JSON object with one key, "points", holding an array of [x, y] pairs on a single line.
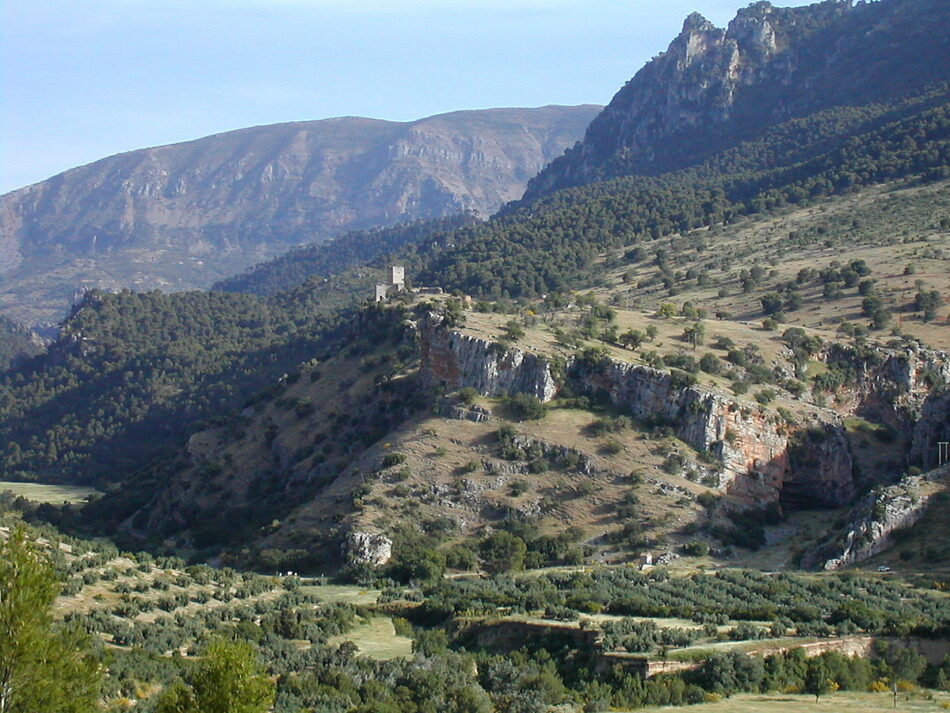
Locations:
{"points": [[42, 669]]}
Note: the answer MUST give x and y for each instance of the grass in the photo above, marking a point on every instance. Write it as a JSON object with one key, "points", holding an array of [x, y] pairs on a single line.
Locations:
{"points": [[841, 702], [376, 638], [41, 493], [347, 594]]}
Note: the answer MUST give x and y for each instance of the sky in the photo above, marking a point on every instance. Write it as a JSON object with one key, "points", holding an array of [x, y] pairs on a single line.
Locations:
{"points": [[84, 79]]}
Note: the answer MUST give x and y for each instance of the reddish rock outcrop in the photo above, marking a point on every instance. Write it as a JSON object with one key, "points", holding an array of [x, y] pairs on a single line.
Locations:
{"points": [[763, 459]]}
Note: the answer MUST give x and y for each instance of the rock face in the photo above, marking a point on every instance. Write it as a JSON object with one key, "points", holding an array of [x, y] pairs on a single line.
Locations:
{"points": [[930, 431], [870, 524], [566, 457], [460, 412], [763, 459], [714, 87], [367, 548], [454, 360], [892, 385], [185, 215], [904, 388]]}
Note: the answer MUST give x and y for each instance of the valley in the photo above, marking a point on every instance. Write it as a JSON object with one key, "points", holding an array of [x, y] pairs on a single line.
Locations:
{"points": [[492, 413]]}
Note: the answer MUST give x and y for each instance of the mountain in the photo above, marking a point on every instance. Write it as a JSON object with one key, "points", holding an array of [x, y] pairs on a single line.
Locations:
{"points": [[819, 244], [360, 247], [182, 216], [16, 342], [714, 88]]}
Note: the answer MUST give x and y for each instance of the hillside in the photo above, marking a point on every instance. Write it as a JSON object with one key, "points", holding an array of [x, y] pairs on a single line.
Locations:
{"points": [[16, 342], [642, 485], [668, 433], [835, 222], [185, 215], [352, 250], [714, 88]]}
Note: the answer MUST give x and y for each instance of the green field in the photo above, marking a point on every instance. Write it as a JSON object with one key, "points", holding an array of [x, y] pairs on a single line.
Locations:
{"points": [[842, 702], [376, 638], [347, 594], [41, 493]]}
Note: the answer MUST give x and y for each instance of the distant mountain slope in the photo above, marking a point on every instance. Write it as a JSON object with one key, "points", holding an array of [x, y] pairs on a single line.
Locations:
{"points": [[16, 342], [714, 88], [185, 215], [348, 251], [552, 244]]}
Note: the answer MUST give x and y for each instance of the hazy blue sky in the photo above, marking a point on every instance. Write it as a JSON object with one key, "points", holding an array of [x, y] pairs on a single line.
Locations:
{"points": [[82, 79]]}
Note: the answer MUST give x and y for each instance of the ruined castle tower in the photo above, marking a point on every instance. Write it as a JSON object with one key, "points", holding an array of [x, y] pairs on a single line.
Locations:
{"points": [[397, 277], [397, 283]]}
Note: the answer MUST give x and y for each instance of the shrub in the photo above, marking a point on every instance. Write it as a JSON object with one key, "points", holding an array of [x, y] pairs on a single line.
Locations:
{"points": [[391, 459], [710, 363], [502, 552], [681, 379], [696, 548], [467, 395], [525, 407]]}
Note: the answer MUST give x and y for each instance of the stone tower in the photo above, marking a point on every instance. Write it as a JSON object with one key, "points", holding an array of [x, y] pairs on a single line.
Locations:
{"points": [[397, 277]]}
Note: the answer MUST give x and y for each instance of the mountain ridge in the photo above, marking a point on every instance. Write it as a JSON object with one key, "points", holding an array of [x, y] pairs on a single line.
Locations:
{"points": [[715, 86], [184, 215]]}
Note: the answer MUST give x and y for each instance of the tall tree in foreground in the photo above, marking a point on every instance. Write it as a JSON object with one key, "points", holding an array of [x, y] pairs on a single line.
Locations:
{"points": [[229, 679], [42, 669]]}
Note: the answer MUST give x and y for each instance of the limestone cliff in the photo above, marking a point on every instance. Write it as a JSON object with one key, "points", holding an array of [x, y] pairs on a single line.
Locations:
{"points": [[932, 429], [872, 521], [455, 360], [891, 384], [763, 458], [904, 388]]}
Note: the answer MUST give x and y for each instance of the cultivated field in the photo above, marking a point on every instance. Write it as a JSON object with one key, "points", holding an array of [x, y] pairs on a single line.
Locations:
{"points": [[376, 638], [40, 493], [842, 702]]}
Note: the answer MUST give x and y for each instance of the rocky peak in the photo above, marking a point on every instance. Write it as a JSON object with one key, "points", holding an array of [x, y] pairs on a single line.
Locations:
{"points": [[716, 87], [753, 32], [699, 35]]}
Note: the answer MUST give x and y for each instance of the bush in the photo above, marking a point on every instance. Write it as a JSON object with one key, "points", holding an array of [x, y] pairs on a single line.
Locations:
{"points": [[696, 549], [525, 407], [681, 379], [391, 459], [502, 552], [710, 363], [467, 395]]}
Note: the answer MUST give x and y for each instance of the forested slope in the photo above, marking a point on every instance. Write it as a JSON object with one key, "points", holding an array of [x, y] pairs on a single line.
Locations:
{"points": [[550, 245], [16, 342], [348, 251], [717, 87]]}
